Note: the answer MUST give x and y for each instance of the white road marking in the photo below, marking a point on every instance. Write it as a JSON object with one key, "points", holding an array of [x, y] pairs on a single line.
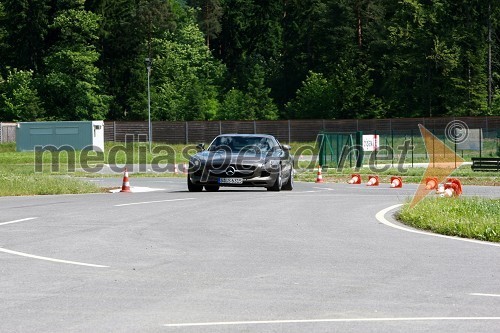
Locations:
{"points": [[137, 189], [150, 202], [17, 221], [339, 320], [49, 259], [324, 188], [22, 254], [486, 295], [380, 216]]}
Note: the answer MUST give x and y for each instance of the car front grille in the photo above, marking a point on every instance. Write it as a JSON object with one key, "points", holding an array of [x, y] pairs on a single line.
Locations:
{"points": [[232, 170]]}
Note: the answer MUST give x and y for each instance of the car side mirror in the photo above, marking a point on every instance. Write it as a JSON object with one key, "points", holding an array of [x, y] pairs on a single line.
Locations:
{"points": [[287, 147], [200, 147]]}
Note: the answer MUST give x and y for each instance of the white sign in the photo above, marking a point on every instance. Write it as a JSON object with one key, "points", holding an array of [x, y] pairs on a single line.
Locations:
{"points": [[469, 139], [370, 142]]}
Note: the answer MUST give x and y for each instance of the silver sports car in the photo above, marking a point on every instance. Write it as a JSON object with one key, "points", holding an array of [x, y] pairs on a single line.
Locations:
{"points": [[241, 160]]}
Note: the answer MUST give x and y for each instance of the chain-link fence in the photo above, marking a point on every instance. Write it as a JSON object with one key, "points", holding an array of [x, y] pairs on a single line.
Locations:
{"points": [[284, 130], [398, 147]]}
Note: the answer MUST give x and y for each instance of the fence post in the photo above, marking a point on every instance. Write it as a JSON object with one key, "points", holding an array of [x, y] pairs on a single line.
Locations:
{"points": [[412, 148], [321, 157], [114, 131], [433, 146], [254, 127], [392, 148], [455, 144], [359, 147], [1, 132], [338, 147], [480, 141], [220, 127], [444, 146], [289, 132], [187, 133]]}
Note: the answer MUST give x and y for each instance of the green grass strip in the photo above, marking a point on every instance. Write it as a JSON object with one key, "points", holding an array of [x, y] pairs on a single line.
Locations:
{"points": [[477, 218], [15, 185]]}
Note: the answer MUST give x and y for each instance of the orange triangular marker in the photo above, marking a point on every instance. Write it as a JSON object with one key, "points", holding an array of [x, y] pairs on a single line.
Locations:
{"points": [[442, 162]]}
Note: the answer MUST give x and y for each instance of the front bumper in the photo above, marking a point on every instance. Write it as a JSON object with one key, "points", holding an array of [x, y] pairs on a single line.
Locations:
{"points": [[250, 175]]}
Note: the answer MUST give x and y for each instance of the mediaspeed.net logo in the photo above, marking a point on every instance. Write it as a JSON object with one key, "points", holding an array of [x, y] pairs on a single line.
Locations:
{"points": [[443, 161]]}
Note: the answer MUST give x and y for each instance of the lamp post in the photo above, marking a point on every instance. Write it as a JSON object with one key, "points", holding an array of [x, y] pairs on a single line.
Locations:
{"points": [[149, 63]]}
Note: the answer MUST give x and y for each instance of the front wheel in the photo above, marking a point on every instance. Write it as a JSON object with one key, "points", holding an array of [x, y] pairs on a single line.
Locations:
{"points": [[278, 183], [288, 186], [193, 187]]}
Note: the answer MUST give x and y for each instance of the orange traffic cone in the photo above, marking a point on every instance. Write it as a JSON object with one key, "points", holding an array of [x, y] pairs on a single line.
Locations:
{"points": [[126, 183], [373, 181], [396, 182], [185, 167], [355, 179], [176, 169], [452, 188], [319, 178], [458, 183], [431, 183]]}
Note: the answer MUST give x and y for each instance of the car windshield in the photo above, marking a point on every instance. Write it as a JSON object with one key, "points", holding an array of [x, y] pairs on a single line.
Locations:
{"points": [[242, 143]]}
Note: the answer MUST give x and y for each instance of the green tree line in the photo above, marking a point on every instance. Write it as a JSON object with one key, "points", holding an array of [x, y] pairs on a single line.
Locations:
{"points": [[248, 59]]}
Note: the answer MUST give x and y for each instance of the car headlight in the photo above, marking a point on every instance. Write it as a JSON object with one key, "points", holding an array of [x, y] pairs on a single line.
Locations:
{"points": [[272, 164], [195, 164]]}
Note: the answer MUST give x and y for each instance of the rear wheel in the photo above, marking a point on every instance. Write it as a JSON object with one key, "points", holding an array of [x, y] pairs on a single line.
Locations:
{"points": [[278, 183], [211, 188], [193, 187]]}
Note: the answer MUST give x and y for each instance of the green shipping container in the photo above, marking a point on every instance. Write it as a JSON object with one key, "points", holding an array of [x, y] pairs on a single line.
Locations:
{"points": [[62, 135]]}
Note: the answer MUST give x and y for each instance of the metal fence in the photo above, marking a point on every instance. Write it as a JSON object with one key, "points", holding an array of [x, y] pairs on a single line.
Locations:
{"points": [[7, 132], [395, 147], [285, 130]]}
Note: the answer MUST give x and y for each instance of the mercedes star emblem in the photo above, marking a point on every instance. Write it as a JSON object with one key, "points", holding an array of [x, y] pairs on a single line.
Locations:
{"points": [[230, 171]]}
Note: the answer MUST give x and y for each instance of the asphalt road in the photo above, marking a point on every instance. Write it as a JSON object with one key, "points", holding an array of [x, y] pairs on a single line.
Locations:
{"points": [[312, 260]]}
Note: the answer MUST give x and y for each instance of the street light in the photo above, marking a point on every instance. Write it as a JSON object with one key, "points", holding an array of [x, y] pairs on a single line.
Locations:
{"points": [[149, 63]]}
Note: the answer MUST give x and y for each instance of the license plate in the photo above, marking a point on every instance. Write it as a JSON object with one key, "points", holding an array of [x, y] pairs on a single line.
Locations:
{"points": [[230, 180]]}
